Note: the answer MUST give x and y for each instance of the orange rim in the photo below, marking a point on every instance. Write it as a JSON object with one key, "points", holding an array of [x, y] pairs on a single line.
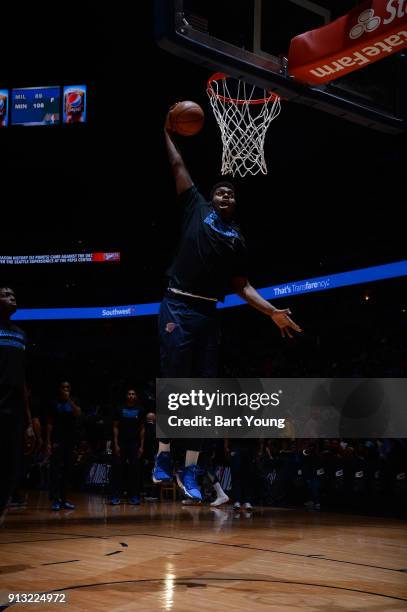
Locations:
{"points": [[220, 76]]}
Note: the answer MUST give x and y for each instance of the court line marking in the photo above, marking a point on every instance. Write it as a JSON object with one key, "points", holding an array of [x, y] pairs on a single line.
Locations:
{"points": [[279, 552], [58, 562], [42, 540], [245, 547]]}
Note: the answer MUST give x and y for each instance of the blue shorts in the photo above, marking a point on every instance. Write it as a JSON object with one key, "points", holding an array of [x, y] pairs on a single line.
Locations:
{"points": [[189, 337]]}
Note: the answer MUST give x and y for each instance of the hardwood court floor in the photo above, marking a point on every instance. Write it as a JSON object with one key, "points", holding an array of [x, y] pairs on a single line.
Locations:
{"points": [[166, 557]]}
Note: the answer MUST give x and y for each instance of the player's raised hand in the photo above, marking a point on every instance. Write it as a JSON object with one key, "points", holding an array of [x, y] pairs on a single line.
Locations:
{"points": [[283, 321]]}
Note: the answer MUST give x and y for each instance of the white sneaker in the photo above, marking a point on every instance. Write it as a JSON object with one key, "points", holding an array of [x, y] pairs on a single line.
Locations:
{"points": [[236, 506], [247, 506], [309, 504], [223, 499]]}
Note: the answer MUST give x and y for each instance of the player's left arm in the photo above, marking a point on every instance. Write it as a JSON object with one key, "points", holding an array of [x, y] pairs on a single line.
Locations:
{"points": [[248, 293]]}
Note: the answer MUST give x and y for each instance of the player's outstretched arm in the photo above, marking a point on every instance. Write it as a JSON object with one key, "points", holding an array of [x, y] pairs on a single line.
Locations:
{"points": [[280, 317], [182, 178]]}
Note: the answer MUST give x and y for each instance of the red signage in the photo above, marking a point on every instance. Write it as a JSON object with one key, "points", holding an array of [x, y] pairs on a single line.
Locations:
{"points": [[112, 257], [59, 258], [371, 31]]}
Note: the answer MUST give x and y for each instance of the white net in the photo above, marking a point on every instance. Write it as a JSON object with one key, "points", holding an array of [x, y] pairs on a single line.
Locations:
{"points": [[243, 112]]}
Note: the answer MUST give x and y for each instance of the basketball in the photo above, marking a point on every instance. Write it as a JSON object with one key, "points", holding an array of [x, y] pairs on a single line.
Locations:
{"points": [[186, 118]]}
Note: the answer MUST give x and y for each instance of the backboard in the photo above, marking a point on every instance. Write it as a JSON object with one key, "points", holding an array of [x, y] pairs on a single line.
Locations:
{"points": [[250, 39]]}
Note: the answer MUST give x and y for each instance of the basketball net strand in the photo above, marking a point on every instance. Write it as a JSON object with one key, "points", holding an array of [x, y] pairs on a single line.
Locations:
{"points": [[243, 125]]}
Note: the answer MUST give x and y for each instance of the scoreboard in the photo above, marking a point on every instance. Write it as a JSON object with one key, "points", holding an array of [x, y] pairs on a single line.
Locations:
{"points": [[51, 105], [35, 106]]}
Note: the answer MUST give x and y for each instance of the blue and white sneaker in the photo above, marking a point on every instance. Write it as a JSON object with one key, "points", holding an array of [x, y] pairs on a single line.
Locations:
{"points": [[67, 505], [187, 481], [162, 471], [115, 501], [56, 505]]}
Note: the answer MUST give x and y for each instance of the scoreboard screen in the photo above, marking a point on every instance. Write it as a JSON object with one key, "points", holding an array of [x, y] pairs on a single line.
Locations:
{"points": [[35, 106]]}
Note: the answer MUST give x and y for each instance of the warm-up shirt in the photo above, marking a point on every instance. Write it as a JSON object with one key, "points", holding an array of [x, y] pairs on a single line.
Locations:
{"points": [[130, 419], [12, 370], [210, 253], [63, 421]]}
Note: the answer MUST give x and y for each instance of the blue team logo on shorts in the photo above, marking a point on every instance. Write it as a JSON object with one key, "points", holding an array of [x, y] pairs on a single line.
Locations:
{"points": [[216, 223]]}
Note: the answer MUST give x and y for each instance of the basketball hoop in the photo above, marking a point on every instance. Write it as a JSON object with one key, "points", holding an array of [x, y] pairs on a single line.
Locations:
{"points": [[243, 116]]}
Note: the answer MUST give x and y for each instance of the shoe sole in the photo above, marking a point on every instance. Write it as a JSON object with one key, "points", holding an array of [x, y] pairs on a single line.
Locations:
{"points": [[198, 499]]}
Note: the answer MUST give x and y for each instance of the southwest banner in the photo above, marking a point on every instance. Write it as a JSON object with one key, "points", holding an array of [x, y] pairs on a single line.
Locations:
{"points": [[370, 32], [310, 285]]}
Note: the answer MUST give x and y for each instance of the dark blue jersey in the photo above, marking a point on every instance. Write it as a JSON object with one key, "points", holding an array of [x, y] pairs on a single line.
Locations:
{"points": [[130, 419], [12, 370], [210, 252]]}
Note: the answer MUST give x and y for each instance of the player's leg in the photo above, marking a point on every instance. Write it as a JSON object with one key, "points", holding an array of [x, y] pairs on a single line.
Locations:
{"points": [[176, 350], [205, 330], [221, 497], [116, 480], [133, 474], [11, 448]]}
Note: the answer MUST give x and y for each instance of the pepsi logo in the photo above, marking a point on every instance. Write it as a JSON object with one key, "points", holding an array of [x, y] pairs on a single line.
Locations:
{"points": [[74, 99]]}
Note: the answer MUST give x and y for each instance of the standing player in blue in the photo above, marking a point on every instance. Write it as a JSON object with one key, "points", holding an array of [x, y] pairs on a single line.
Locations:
{"points": [[61, 434], [128, 447], [211, 260], [15, 417]]}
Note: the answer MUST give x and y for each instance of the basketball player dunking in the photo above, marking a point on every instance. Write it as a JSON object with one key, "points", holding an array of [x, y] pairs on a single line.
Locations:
{"points": [[211, 260]]}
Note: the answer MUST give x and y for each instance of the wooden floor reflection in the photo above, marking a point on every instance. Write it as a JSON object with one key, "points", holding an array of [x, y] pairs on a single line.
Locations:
{"points": [[169, 557]]}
